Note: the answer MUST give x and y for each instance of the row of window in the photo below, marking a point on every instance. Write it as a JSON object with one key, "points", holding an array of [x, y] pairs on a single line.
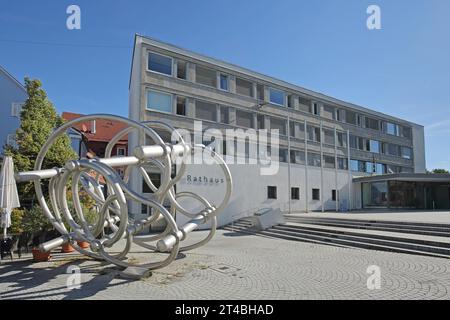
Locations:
{"points": [[209, 77], [377, 168], [295, 193], [376, 146], [211, 112]]}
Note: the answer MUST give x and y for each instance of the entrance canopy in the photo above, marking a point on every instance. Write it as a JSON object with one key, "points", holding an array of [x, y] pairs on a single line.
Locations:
{"points": [[405, 191]]}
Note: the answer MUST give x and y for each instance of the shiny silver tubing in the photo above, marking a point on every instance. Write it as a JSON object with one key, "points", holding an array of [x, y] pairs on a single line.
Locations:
{"points": [[167, 243], [58, 242], [142, 153]]}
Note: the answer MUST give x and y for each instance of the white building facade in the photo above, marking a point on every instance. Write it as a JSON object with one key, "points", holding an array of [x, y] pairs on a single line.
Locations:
{"points": [[324, 143]]}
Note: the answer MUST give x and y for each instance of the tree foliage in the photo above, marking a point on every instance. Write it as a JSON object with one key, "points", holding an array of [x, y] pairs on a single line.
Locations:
{"points": [[440, 171], [38, 120]]}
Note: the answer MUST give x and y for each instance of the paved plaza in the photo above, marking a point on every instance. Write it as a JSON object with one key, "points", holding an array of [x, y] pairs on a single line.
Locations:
{"points": [[237, 266]]}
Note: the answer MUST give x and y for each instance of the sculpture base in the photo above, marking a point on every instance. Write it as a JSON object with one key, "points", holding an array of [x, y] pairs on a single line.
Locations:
{"points": [[135, 273]]}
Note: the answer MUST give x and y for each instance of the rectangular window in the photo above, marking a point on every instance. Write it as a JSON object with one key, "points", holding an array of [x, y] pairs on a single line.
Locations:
{"points": [[372, 124], [224, 115], [181, 69], [290, 101], [244, 87], [316, 194], [292, 129], [339, 115], [315, 109], [353, 142], [329, 162], [206, 76], [392, 150], [295, 193], [271, 192], [276, 96], [354, 165], [283, 155], [181, 106], [260, 119], [159, 101], [260, 92], [374, 146], [341, 139], [279, 124], [304, 104], [342, 163], [313, 133], [121, 152], [333, 195], [298, 157], [159, 63], [205, 110], [391, 128], [244, 119], [224, 82], [314, 159], [156, 180], [406, 153], [328, 112], [361, 145], [406, 132], [350, 117], [328, 137]]}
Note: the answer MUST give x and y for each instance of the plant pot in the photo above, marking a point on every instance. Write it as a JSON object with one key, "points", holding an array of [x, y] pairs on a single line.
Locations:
{"points": [[83, 244], [39, 256], [67, 248]]}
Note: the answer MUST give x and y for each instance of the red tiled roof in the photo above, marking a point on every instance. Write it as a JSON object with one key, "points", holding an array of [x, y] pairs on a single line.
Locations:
{"points": [[105, 130]]}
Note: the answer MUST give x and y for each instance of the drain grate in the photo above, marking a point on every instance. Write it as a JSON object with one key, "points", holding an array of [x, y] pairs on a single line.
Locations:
{"points": [[225, 269]]}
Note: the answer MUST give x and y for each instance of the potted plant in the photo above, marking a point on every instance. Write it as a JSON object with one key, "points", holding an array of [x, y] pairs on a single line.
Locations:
{"points": [[91, 216], [16, 228], [67, 247], [36, 223]]}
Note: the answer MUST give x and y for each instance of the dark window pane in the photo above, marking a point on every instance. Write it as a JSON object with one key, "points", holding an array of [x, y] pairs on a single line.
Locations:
{"points": [[271, 192], [159, 63]]}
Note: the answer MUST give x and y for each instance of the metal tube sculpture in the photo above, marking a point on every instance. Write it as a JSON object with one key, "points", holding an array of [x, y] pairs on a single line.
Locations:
{"points": [[113, 223]]}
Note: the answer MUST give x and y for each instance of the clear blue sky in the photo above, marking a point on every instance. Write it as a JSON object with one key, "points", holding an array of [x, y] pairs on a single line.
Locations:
{"points": [[402, 70]]}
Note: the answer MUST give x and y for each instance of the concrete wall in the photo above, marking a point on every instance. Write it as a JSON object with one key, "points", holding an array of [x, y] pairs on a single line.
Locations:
{"points": [[10, 92], [419, 149], [250, 189]]}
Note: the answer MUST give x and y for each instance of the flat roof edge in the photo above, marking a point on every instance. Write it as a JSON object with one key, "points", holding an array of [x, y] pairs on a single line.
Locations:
{"points": [[266, 78]]}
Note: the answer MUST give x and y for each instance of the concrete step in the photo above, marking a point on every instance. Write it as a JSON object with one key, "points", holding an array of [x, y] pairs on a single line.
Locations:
{"points": [[416, 242], [356, 242], [423, 229], [269, 234]]}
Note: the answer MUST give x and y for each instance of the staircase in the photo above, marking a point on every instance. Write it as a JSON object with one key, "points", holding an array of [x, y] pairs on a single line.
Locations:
{"points": [[405, 237]]}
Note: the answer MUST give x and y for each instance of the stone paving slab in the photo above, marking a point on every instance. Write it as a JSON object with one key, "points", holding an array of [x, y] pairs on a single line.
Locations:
{"points": [[237, 266]]}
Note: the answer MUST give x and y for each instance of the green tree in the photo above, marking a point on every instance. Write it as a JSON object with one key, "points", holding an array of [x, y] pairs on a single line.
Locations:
{"points": [[439, 171], [38, 120]]}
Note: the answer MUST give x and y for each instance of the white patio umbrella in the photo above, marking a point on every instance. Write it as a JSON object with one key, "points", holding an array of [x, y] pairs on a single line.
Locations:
{"points": [[9, 198]]}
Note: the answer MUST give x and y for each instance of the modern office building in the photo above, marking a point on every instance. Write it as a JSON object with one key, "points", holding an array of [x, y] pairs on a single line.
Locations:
{"points": [[325, 144], [12, 98]]}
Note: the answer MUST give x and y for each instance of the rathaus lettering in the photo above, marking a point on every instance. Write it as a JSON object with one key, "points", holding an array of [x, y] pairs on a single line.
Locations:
{"points": [[204, 179]]}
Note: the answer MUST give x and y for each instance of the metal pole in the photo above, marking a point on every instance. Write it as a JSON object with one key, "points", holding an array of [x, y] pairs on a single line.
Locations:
{"points": [[306, 168], [289, 165], [321, 166], [336, 169], [349, 172]]}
